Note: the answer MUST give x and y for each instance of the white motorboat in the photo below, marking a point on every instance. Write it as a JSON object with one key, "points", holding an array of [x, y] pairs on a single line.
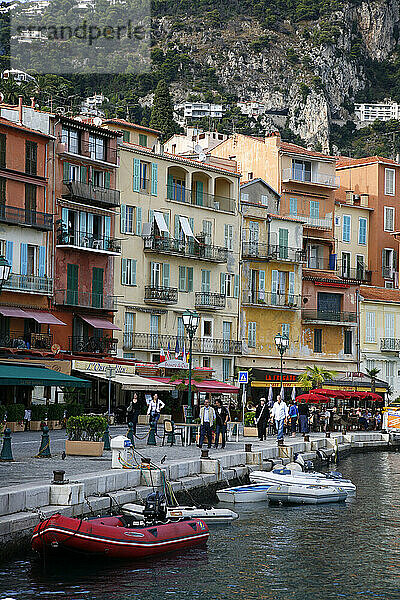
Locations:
{"points": [[287, 476], [305, 494], [209, 515], [244, 493]]}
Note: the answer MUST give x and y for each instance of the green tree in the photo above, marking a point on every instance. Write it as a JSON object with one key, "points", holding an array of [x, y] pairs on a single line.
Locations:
{"points": [[314, 377], [162, 113], [372, 374]]}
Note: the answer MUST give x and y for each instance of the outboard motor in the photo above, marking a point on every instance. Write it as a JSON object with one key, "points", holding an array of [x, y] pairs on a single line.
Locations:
{"points": [[323, 456], [306, 465], [155, 508]]}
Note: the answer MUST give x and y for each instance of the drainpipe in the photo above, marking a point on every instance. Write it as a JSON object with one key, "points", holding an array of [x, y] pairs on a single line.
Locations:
{"points": [[20, 98], [269, 219]]}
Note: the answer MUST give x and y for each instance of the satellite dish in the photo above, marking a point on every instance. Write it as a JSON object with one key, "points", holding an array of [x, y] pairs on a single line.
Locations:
{"points": [[202, 157], [97, 121], [198, 149]]}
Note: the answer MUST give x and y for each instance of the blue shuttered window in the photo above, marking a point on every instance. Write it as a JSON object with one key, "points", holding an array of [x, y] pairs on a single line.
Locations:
{"points": [[24, 259], [9, 253], [136, 175], [154, 170], [42, 261]]}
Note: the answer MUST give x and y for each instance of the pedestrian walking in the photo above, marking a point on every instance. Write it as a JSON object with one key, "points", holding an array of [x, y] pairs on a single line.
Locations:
{"points": [[221, 423], [262, 418], [154, 409], [132, 412], [303, 418], [207, 420], [293, 416], [279, 414]]}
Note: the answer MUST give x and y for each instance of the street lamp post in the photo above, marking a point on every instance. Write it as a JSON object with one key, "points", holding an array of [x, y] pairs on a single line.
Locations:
{"points": [[282, 344], [191, 321], [110, 375]]}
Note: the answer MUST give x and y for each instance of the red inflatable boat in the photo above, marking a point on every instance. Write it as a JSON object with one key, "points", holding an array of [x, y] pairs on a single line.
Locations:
{"points": [[116, 537]]}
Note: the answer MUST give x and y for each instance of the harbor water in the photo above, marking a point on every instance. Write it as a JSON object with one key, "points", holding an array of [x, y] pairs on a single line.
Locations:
{"points": [[332, 551]]}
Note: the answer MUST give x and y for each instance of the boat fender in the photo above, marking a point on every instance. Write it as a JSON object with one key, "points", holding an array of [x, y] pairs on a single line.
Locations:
{"points": [[268, 465]]}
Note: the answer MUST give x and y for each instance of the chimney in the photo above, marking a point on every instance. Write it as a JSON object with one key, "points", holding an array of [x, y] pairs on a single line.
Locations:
{"points": [[349, 196], [32, 102], [364, 198], [20, 109]]}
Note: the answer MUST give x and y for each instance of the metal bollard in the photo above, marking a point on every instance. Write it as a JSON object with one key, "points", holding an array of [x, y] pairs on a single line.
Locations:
{"points": [[106, 439], [204, 453], [44, 450], [6, 451], [247, 447], [151, 439], [306, 437], [130, 435]]}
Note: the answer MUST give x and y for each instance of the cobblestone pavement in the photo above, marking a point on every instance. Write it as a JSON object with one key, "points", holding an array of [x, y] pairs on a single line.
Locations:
{"points": [[26, 468]]}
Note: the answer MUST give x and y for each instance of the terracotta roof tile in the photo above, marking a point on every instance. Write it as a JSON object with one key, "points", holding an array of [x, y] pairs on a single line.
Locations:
{"points": [[294, 148], [380, 294], [124, 122], [346, 161]]}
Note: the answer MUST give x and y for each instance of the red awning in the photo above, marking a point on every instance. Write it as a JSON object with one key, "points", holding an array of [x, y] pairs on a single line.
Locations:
{"points": [[99, 323], [9, 311], [207, 385], [43, 317]]}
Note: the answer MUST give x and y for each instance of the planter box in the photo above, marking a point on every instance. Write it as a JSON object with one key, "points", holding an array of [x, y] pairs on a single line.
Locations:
{"points": [[78, 448], [250, 432], [55, 425], [34, 425], [15, 426]]}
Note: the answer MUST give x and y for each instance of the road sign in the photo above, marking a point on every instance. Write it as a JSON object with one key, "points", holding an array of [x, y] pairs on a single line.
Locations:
{"points": [[243, 377]]}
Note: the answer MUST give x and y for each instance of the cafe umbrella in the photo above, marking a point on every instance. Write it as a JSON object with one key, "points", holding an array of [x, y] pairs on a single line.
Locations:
{"points": [[311, 398]]}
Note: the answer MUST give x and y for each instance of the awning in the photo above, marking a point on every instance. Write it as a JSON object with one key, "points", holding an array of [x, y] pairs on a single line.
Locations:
{"points": [[161, 224], [187, 230], [34, 375], [9, 311], [207, 385], [132, 382], [42, 317], [98, 323]]}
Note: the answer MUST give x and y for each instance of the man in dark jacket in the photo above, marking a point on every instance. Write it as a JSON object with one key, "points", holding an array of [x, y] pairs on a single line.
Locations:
{"points": [[221, 420], [303, 418], [262, 417]]}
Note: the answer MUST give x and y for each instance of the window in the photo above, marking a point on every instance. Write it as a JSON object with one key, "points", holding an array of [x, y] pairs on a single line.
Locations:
{"points": [[317, 340], [3, 188], [205, 280], [346, 232], [348, 341], [264, 200], [72, 284], [31, 158], [370, 364], [207, 328], [131, 219], [293, 206], [186, 279], [30, 203], [389, 371], [97, 147], [226, 368], [142, 140], [3, 139], [244, 197], [283, 243], [362, 231], [128, 271], [370, 327], [97, 287], [229, 237], [388, 219], [388, 262], [314, 209], [301, 170], [207, 232], [144, 175], [207, 362], [71, 139], [390, 182], [346, 256], [250, 175], [389, 325], [285, 329], [126, 136], [252, 334], [389, 285]]}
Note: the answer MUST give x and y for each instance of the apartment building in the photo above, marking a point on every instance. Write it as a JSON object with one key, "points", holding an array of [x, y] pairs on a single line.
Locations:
{"points": [[193, 142], [179, 229], [379, 178], [381, 111]]}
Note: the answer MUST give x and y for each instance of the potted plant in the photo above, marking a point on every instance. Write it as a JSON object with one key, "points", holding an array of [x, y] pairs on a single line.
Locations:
{"points": [[85, 435], [250, 429], [38, 417], [15, 417], [55, 415]]}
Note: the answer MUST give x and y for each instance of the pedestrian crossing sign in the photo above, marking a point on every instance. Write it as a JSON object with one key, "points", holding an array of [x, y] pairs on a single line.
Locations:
{"points": [[243, 377]]}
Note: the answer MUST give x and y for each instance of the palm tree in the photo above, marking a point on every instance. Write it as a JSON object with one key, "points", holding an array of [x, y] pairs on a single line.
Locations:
{"points": [[372, 373], [314, 377]]}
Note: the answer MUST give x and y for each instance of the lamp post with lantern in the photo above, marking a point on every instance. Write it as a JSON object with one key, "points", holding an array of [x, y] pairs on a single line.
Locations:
{"points": [[191, 321], [282, 344]]}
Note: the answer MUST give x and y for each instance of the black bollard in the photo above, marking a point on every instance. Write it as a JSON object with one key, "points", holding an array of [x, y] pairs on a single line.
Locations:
{"points": [[6, 451], [44, 450], [106, 439], [131, 435], [151, 439]]}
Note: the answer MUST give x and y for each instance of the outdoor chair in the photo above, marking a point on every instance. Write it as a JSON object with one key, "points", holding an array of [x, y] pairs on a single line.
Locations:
{"points": [[170, 429]]}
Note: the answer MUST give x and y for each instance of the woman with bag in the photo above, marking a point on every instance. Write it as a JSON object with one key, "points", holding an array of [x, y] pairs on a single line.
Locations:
{"points": [[261, 419]]}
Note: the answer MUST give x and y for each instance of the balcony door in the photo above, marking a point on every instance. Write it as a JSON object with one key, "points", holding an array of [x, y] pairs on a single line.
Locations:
{"points": [[154, 331], [314, 258], [360, 267], [30, 203], [254, 236], [226, 336], [72, 284], [97, 287], [330, 304], [346, 257], [207, 326]]}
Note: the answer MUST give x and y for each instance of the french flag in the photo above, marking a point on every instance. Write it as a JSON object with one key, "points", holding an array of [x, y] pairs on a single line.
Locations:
{"points": [[162, 355], [168, 352]]}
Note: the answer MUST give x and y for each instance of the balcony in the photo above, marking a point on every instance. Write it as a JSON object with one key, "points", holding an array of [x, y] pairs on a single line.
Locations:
{"points": [[88, 241], [93, 345], [323, 179], [154, 342], [390, 345], [322, 263], [29, 284], [317, 214], [388, 272], [90, 193], [271, 299], [87, 149], [256, 251], [189, 249], [181, 194], [209, 300], [38, 341], [160, 295], [85, 299], [358, 275], [22, 216], [329, 317]]}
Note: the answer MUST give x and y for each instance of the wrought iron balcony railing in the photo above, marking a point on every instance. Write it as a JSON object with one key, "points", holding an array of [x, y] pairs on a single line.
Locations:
{"points": [[180, 194], [158, 294], [328, 316], [93, 345], [85, 299], [88, 149], [209, 300], [91, 193], [262, 298], [388, 272], [390, 345], [325, 179], [189, 248], [154, 341], [321, 263], [23, 341], [29, 283], [89, 241], [272, 252], [355, 274], [23, 216]]}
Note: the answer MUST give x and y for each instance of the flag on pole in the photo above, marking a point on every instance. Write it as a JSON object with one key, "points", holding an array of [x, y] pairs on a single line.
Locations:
{"points": [[162, 355], [177, 353], [168, 352], [270, 397], [293, 394], [184, 353]]}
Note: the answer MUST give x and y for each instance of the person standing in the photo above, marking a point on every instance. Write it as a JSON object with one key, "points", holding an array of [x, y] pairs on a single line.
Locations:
{"points": [[293, 415], [154, 409], [261, 419], [221, 422], [132, 412], [303, 418], [279, 414], [207, 420]]}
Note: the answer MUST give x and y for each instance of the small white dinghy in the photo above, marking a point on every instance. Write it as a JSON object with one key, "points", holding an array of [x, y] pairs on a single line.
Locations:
{"points": [[244, 493], [290, 477], [305, 494], [210, 515]]}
